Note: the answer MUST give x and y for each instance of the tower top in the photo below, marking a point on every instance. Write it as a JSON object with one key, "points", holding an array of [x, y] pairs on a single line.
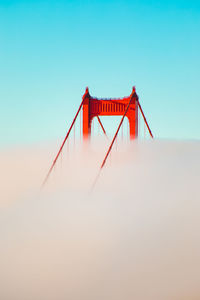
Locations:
{"points": [[133, 90], [87, 90]]}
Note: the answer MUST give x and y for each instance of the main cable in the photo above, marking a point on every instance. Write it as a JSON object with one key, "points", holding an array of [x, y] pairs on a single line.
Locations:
{"points": [[63, 143]]}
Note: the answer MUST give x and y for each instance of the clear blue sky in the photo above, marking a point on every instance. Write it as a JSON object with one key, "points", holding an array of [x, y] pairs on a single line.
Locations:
{"points": [[51, 50]]}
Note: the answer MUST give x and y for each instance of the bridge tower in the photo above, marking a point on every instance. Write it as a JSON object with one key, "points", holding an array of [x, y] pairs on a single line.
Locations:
{"points": [[94, 107]]}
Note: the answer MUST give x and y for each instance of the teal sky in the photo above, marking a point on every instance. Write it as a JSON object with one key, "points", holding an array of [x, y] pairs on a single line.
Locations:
{"points": [[51, 50]]}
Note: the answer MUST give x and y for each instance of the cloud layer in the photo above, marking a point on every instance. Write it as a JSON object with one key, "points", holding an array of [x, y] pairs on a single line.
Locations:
{"points": [[135, 236]]}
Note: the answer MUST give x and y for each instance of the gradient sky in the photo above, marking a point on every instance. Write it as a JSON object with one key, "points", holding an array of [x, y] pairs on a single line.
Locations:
{"points": [[51, 50]]}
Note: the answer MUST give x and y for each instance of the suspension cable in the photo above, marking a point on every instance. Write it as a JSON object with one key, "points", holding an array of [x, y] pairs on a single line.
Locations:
{"points": [[66, 137], [80, 128], [110, 148], [145, 120], [101, 125]]}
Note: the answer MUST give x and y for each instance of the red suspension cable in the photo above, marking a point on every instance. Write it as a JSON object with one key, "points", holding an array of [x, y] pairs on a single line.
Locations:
{"points": [[101, 125], [110, 148], [66, 137], [120, 124], [145, 120]]}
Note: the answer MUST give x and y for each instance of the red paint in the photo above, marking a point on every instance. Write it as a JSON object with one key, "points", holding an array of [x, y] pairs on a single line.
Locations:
{"points": [[101, 125], [63, 143], [114, 138], [145, 120], [93, 107]]}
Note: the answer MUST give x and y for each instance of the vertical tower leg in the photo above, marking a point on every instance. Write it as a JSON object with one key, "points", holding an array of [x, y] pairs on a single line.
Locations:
{"points": [[133, 121], [136, 119], [132, 128], [86, 120]]}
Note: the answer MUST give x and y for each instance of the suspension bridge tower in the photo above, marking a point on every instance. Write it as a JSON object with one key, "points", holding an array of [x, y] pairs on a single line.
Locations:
{"points": [[94, 107]]}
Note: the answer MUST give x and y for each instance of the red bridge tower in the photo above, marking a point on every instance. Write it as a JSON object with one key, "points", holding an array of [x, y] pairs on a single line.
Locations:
{"points": [[93, 107]]}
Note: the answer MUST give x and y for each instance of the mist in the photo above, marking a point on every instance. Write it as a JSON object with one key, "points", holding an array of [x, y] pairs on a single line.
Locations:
{"points": [[134, 236]]}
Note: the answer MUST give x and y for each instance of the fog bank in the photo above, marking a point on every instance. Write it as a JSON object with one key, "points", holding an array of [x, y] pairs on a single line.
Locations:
{"points": [[135, 236]]}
